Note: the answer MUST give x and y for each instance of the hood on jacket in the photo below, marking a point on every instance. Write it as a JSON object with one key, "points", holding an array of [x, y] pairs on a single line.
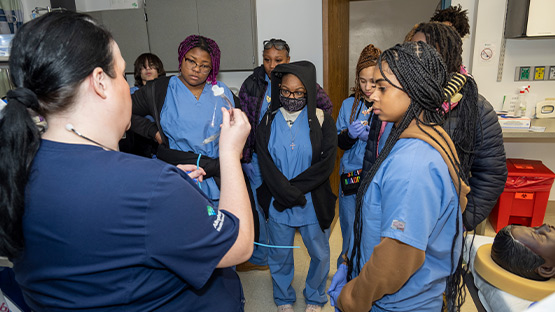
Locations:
{"points": [[306, 72]]}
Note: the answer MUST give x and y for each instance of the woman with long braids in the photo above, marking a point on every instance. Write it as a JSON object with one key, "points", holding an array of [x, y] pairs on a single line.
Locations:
{"points": [[407, 239], [186, 112], [89, 228], [472, 124], [353, 128]]}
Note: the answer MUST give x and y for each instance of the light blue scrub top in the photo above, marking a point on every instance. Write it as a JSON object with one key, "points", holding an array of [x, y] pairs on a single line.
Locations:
{"points": [[292, 162], [256, 178], [186, 122], [352, 158], [412, 199]]}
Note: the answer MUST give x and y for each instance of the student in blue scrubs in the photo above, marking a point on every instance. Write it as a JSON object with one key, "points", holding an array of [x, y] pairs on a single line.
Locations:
{"points": [[296, 145], [353, 130], [89, 228], [186, 111], [255, 96], [407, 238]]}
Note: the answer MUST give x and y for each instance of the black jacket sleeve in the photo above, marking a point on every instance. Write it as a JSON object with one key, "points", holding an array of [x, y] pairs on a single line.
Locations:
{"points": [[344, 141], [143, 106], [319, 172], [489, 168]]}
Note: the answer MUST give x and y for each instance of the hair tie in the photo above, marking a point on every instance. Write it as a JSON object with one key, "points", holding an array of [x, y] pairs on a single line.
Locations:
{"points": [[451, 91], [24, 96]]}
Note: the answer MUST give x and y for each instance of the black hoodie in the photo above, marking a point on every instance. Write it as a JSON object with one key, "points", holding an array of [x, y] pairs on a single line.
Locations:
{"points": [[323, 138]]}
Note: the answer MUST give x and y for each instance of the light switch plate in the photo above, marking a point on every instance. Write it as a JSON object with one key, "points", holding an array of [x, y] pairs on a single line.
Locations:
{"points": [[523, 73], [551, 74], [539, 72]]}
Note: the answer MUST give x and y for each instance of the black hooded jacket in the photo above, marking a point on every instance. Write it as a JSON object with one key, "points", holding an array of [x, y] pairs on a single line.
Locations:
{"points": [[323, 138]]}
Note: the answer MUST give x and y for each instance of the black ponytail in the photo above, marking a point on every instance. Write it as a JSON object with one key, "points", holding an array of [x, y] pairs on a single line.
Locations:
{"points": [[51, 56], [19, 142]]}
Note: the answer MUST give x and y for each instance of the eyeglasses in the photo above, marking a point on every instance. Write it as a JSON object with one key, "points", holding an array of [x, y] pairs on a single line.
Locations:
{"points": [[296, 94], [204, 69], [276, 43]]}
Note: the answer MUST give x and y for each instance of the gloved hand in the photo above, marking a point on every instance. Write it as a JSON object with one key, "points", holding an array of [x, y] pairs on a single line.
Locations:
{"points": [[338, 281], [364, 134], [355, 129]]}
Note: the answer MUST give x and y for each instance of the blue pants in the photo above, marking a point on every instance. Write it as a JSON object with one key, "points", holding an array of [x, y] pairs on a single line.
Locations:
{"points": [[347, 206], [259, 254], [282, 265]]}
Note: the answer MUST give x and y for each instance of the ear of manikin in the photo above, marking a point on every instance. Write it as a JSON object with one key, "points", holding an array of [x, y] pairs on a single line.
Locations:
{"points": [[546, 271]]}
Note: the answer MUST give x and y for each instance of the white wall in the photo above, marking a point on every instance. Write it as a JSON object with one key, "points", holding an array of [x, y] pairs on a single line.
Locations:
{"points": [[97, 5], [382, 23], [29, 5], [518, 52], [468, 41], [489, 19], [297, 22]]}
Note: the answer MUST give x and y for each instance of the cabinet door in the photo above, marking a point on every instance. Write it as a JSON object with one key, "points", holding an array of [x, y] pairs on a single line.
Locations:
{"points": [[231, 24], [128, 28], [168, 23]]}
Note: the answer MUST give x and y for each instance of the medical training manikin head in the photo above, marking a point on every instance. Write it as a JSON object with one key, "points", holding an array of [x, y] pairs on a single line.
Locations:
{"points": [[526, 251]]}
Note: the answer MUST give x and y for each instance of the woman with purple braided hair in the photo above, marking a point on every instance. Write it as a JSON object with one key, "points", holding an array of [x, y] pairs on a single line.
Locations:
{"points": [[186, 111]]}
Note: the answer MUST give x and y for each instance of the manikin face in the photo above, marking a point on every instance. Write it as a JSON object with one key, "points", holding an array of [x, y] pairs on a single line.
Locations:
{"points": [[390, 103], [148, 73], [195, 67], [540, 239], [272, 57], [366, 81]]}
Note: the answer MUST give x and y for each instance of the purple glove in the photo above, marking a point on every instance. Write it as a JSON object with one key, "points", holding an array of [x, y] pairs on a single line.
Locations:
{"points": [[337, 282], [355, 129], [364, 135]]}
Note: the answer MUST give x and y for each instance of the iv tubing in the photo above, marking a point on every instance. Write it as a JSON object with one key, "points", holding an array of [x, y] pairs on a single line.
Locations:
{"points": [[274, 246]]}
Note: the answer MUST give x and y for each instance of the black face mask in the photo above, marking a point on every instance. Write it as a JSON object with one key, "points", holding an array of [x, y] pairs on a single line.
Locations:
{"points": [[292, 105]]}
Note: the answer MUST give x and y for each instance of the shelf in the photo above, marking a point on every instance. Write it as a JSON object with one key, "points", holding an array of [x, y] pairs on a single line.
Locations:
{"points": [[549, 133]]}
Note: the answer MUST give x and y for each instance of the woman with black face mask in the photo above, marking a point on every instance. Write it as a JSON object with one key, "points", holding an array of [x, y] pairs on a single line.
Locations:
{"points": [[296, 146]]}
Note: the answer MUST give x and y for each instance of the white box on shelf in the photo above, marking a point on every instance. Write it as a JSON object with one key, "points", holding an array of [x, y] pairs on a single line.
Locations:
{"points": [[515, 123]]}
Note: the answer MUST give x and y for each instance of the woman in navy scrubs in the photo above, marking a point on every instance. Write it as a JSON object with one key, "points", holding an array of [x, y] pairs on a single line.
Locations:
{"points": [[89, 228]]}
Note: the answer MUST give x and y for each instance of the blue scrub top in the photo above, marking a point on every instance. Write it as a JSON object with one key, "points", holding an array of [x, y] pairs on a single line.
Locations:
{"points": [[292, 161], [352, 158], [186, 122], [256, 178], [412, 199], [109, 230]]}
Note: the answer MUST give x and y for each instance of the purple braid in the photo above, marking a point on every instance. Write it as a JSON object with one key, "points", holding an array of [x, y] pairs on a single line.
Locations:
{"points": [[208, 45]]}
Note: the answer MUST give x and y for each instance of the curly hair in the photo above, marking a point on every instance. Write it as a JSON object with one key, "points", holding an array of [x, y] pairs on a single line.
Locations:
{"points": [[206, 44], [152, 61], [368, 57], [456, 16]]}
